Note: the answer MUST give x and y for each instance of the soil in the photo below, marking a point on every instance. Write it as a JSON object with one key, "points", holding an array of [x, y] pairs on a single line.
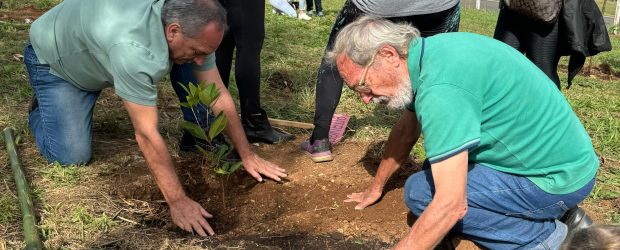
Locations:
{"points": [[304, 211], [25, 15]]}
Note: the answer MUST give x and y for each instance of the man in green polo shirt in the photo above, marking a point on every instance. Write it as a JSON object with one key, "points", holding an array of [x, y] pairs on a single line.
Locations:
{"points": [[506, 155], [80, 47]]}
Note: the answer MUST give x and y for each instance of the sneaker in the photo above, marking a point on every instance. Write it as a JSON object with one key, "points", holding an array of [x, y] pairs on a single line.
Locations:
{"points": [[309, 13], [319, 151], [320, 14], [188, 143], [304, 16]]}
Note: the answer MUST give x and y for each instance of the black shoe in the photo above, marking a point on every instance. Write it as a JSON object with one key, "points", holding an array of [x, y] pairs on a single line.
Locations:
{"points": [[188, 143], [258, 129], [576, 219]]}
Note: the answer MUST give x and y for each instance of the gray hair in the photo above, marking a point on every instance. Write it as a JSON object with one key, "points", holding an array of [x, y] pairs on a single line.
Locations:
{"points": [[193, 15], [361, 39]]}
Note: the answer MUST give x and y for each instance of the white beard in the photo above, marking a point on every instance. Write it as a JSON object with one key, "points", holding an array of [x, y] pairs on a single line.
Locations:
{"points": [[403, 97]]}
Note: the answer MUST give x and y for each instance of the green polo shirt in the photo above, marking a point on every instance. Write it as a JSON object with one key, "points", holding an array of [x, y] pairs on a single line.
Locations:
{"points": [[478, 94], [96, 44]]}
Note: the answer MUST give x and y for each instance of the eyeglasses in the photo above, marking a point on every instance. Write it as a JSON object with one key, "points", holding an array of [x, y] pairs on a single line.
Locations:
{"points": [[361, 86]]}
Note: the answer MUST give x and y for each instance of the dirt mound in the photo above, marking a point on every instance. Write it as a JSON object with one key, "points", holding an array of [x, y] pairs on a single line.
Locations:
{"points": [[306, 210]]}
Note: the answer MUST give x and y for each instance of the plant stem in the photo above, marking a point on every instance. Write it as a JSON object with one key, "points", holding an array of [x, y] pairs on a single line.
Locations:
{"points": [[223, 193]]}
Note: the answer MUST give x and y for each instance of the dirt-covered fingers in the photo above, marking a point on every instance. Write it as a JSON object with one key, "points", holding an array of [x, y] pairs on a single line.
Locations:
{"points": [[202, 227], [266, 168], [205, 213], [273, 171], [254, 174], [185, 226], [363, 200], [354, 197]]}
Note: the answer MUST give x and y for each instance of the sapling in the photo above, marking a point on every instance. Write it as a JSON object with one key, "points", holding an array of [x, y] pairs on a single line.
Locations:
{"points": [[205, 95]]}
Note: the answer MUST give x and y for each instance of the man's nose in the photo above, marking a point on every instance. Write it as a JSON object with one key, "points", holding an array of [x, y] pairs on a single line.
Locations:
{"points": [[366, 98]]}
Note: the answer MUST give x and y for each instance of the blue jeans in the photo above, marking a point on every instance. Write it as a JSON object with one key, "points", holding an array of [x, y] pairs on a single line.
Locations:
{"points": [[505, 211], [62, 120]]}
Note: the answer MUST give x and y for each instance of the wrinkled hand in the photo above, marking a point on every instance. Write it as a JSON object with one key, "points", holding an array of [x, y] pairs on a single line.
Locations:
{"points": [[190, 216], [366, 198], [257, 166]]}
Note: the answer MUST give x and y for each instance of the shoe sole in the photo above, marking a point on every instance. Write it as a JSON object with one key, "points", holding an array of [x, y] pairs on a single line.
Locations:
{"points": [[320, 158]]}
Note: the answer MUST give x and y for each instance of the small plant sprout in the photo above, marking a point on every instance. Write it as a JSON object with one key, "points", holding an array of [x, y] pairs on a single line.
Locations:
{"points": [[205, 95]]}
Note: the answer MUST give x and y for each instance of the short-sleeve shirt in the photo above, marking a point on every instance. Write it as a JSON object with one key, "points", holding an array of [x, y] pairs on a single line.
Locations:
{"points": [[401, 8], [478, 94], [96, 44]]}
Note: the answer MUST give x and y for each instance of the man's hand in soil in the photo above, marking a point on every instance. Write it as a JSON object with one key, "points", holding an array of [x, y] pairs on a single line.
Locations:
{"points": [[190, 216], [257, 166], [366, 198]]}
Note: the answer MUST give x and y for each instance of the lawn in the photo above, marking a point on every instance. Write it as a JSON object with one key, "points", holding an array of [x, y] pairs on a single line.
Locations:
{"points": [[113, 202]]}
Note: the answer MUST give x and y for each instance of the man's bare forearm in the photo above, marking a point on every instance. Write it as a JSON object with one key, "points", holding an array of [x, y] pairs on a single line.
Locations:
{"points": [[403, 136], [153, 147], [449, 204], [160, 164], [432, 225]]}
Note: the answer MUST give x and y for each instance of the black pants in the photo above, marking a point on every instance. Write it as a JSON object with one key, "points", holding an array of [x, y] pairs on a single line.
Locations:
{"points": [[329, 82], [539, 42], [246, 21], [312, 3]]}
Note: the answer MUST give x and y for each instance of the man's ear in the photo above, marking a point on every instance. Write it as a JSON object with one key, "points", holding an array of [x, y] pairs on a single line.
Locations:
{"points": [[389, 54], [172, 31]]}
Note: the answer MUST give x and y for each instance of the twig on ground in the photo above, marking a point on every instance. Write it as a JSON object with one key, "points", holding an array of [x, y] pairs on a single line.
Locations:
{"points": [[128, 220]]}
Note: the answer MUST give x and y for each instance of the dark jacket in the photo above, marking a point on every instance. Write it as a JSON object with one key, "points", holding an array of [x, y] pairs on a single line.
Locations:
{"points": [[584, 31]]}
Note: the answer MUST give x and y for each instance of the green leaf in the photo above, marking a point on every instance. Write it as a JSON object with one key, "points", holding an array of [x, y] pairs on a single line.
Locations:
{"points": [[234, 167], [194, 129], [220, 171], [185, 105], [218, 125], [184, 88], [202, 150], [209, 94], [192, 88], [221, 151], [226, 166], [192, 100]]}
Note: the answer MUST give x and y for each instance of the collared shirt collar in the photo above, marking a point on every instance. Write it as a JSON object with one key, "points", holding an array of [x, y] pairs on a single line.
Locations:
{"points": [[414, 61]]}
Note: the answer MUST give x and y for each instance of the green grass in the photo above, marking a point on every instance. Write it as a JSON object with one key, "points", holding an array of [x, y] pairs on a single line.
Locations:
{"points": [[292, 48], [61, 176], [9, 208], [607, 7]]}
